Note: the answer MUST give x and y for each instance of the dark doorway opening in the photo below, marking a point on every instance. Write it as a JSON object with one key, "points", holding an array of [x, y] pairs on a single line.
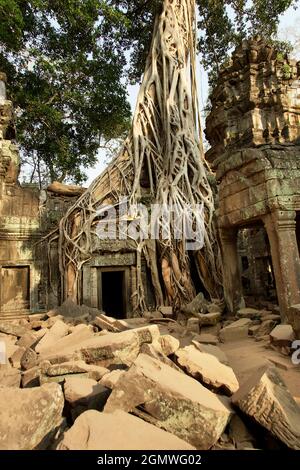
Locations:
{"points": [[196, 278], [258, 278], [113, 298]]}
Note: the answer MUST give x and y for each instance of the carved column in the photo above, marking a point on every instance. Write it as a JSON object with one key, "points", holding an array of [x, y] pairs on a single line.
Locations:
{"points": [[233, 291], [281, 230]]}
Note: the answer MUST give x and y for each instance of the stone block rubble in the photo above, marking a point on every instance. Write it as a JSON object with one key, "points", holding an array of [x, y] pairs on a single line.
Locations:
{"points": [[78, 385]]}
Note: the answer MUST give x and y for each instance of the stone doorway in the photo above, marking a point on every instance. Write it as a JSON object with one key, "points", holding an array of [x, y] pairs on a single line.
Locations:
{"points": [[112, 291], [15, 288], [258, 280]]}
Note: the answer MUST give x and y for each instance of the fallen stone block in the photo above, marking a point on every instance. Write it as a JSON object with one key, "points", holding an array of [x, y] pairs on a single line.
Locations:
{"points": [[282, 335], [84, 394], [235, 331], [51, 321], [193, 325], [147, 334], [27, 340], [110, 380], [30, 416], [265, 328], [60, 379], [56, 332], [166, 344], [207, 338], [248, 312], [131, 323], [166, 311], [272, 316], [117, 348], [83, 391], [253, 330], [117, 431], [73, 340], [213, 350], [9, 377], [277, 411], [214, 308], [75, 314], [31, 377], [74, 367], [152, 314], [11, 329], [37, 316], [29, 359], [208, 369], [211, 330], [31, 338], [106, 323], [197, 305], [176, 402], [209, 319], [15, 359], [157, 354]]}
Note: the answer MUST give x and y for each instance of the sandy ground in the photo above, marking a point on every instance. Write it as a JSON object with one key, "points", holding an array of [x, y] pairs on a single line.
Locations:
{"points": [[248, 355]]}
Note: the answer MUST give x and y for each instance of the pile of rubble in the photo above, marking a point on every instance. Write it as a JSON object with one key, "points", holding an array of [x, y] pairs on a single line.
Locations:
{"points": [[91, 381]]}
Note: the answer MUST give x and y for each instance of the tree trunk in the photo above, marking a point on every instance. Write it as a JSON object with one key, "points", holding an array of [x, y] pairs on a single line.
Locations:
{"points": [[163, 160]]}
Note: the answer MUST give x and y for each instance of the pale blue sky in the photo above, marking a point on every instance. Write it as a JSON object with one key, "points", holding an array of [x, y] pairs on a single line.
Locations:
{"points": [[289, 25]]}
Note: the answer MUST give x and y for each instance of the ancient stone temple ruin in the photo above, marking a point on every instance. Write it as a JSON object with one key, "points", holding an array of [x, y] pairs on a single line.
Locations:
{"points": [[20, 264], [254, 132], [161, 164], [27, 285], [253, 128], [133, 359]]}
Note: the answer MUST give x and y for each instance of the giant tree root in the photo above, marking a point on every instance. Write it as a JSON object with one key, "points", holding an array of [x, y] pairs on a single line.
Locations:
{"points": [[163, 159]]}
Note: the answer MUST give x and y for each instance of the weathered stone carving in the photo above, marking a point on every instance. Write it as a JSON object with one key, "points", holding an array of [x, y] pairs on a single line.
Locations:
{"points": [[254, 130], [256, 100], [26, 214]]}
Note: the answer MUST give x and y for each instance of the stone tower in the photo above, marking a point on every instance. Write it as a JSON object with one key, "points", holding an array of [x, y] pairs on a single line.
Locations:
{"points": [[254, 132]]}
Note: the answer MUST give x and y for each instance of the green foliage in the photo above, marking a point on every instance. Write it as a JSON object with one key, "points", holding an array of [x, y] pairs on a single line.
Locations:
{"points": [[222, 24], [286, 70], [65, 76], [226, 23], [137, 35], [67, 63]]}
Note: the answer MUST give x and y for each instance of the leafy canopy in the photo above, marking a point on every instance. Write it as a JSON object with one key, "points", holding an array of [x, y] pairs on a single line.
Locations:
{"points": [[65, 76], [222, 24], [67, 62]]}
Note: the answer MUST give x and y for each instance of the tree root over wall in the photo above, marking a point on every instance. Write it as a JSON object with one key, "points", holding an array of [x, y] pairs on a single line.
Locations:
{"points": [[163, 154]]}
